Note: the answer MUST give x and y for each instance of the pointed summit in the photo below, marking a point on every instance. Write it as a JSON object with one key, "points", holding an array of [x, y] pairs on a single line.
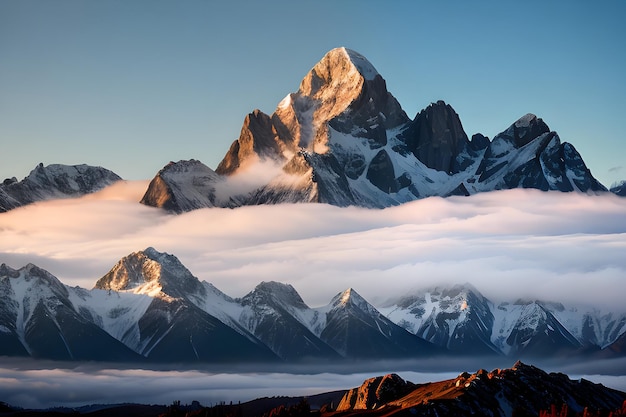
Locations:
{"points": [[151, 272], [355, 328]]}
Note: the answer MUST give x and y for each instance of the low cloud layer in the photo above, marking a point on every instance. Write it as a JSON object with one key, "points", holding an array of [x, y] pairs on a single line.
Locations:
{"points": [[53, 385], [521, 243]]}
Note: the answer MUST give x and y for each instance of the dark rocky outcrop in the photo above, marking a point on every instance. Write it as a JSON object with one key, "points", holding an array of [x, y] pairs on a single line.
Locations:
{"points": [[375, 393], [436, 137]]}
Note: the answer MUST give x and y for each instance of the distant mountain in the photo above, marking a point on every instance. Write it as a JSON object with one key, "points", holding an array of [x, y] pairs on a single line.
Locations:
{"points": [[357, 330], [52, 182], [277, 315], [150, 307], [461, 319], [619, 189], [522, 390], [343, 139]]}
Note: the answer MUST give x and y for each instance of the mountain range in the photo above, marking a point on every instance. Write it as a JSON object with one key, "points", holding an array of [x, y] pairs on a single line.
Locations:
{"points": [[150, 307], [53, 182], [342, 139]]}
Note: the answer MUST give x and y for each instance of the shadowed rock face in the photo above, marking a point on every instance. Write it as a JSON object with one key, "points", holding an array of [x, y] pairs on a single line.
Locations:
{"points": [[375, 393], [436, 137]]}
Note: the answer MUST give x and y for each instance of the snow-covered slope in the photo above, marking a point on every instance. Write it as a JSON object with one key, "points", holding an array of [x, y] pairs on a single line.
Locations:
{"points": [[459, 318], [52, 182], [355, 329], [463, 320], [343, 139], [277, 315], [38, 318], [176, 325], [150, 307]]}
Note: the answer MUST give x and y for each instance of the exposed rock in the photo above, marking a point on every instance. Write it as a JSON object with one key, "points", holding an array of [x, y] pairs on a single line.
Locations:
{"points": [[381, 173], [375, 393], [257, 140], [436, 137], [183, 186], [343, 139]]}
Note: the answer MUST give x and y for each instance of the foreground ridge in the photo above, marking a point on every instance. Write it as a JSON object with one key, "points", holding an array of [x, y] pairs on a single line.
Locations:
{"points": [[521, 390]]}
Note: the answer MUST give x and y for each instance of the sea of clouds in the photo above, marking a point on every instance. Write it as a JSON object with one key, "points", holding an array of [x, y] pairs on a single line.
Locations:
{"points": [[567, 247]]}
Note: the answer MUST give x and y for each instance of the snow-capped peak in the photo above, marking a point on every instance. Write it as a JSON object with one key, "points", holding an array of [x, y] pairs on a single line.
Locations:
{"points": [[283, 294], [153, 273], [351, 299], [366, 69]]}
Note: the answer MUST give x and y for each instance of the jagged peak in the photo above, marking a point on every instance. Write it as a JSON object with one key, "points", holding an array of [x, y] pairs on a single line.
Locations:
{"points": [[524, 130], [37, 276], [151, 272], [351, 299]]}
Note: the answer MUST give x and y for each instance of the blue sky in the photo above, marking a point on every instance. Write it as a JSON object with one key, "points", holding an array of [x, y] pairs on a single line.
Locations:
{"points": [[131, 85]]}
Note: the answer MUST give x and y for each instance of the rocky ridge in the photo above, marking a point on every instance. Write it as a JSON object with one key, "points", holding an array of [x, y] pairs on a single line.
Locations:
{"points": [[53, 182], [149, 306], [343, 139], [521, 390]]}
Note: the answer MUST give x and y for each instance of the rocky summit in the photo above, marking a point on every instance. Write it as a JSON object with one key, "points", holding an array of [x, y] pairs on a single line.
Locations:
{"points": [[343, 139]]}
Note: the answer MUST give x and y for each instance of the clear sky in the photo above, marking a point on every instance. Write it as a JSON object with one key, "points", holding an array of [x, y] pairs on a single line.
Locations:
{"points": [[131, 85]]}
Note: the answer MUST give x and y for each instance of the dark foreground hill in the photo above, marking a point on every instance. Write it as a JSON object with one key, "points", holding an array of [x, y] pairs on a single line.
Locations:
{"points": [[522, 390]]}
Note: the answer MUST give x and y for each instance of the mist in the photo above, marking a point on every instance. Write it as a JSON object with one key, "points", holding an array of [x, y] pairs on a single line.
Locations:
{"points": [[566, 247], [43, 384]]}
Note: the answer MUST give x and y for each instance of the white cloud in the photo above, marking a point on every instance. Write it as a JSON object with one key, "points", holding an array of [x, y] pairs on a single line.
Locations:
{"points": [[557, 246]]}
